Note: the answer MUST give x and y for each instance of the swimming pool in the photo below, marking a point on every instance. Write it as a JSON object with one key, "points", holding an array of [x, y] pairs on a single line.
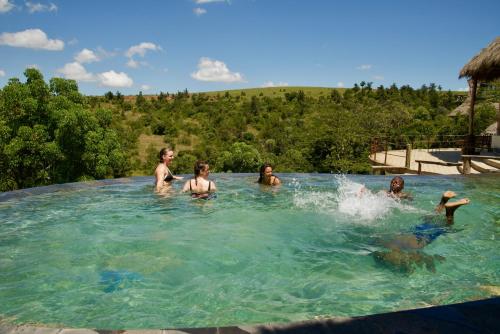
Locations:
{"points": [[112, 254]]}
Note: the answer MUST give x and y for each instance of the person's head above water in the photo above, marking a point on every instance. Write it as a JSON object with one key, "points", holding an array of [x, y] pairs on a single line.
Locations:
{"points": [[265, 172], [200, 167], [266, 175], [397, 185], [166, 155]]}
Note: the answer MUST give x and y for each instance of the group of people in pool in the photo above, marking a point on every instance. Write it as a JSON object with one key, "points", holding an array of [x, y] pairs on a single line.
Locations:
{"points": [[401, 250], [200, 186]]}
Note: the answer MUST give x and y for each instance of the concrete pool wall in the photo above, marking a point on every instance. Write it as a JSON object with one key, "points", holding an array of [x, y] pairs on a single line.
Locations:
{"points": [[482, 316]]}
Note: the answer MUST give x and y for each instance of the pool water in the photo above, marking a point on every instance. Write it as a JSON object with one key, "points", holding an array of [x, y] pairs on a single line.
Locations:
{"points": [[113, 254]]}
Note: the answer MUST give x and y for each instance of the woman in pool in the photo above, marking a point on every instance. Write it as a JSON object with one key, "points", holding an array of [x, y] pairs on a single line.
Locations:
{"points": [[200, 186], [266, 176], [163, 175]]}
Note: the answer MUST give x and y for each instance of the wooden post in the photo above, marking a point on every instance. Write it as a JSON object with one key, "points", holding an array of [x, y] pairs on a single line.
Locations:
{"points": [[466, 165], [386, 148], [469, 148], [408, 156]]}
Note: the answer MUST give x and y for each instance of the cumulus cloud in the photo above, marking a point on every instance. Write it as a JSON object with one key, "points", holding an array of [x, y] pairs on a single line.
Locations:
{"points": [[216, 71], [114, 79], [272, 84], [5, 6], [199, 11], [145, 87], [141, 49], [38, 7], [2, 73], [86, 56], [340, 84], [463, 89], [364, 67], [32, 39], [76, 71]]}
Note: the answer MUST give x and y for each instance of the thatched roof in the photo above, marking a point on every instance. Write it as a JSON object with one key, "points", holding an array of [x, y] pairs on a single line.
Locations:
{"points": [[491, 130], [485, 66], [462, 109]]}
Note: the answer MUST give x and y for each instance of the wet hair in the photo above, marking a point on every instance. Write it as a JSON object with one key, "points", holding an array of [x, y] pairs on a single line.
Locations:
{"points": [[198, 167], [262, 170], [164, 151], [399, 178]]}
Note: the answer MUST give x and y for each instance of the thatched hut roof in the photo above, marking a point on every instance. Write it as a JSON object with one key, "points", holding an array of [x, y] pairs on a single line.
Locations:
{"points": [[485, 66], [462, 109]]}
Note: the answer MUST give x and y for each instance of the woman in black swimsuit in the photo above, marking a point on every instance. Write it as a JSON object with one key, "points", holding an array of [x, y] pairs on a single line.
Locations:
{"points": [[163, 175], [200, 186], [266, 176]]}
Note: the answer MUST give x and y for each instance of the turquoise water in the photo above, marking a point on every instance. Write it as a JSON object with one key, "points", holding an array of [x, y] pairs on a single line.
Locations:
{"points": [[115, 255]]}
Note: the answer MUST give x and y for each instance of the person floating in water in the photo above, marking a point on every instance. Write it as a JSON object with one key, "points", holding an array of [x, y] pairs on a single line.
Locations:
{"points": [[266, 176], [403, 251], [200, 186], [163, 175]]}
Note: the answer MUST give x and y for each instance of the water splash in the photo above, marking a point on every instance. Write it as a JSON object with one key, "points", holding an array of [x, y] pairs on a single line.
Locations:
{"points": [[348, 198]]}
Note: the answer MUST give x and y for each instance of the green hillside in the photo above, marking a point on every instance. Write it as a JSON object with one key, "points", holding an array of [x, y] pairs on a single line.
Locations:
{"points": [[50, 133]]}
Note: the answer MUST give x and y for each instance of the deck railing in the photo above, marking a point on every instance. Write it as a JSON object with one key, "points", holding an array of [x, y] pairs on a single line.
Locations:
{"points": [[379, 144]]}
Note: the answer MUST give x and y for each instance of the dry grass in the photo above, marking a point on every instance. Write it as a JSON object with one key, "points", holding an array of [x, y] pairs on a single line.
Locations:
{"points": [[145, 140]]}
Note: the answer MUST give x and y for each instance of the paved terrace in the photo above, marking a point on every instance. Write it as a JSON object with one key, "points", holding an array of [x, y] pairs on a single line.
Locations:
{"points": [[397, 158]]}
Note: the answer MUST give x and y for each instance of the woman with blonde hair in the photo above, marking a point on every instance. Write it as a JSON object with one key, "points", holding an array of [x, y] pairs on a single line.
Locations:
{"points": [[163, 175]]}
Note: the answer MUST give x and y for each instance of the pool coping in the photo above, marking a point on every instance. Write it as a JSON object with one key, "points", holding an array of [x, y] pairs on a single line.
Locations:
{"points": [[480, 316]]}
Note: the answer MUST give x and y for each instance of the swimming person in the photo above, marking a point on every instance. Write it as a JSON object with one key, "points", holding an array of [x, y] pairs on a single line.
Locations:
{"points": [[163, 175], [200, 186], [403, 252], [266, 176], [396, 188]]}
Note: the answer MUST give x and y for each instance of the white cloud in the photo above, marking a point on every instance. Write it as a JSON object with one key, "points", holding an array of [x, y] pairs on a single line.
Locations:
{"points": [[199, 11], [141, 49], [463, 89], [272, 84], [378, 77], [135, 64], [113, 79], [5, 6], [364, 67], [132, 63], [38, 7], [200, 2], [86, 56], [145, 87], [31, 38], [2, 73], [76, 71], [33, 66], [214, 70], [340, 84]]}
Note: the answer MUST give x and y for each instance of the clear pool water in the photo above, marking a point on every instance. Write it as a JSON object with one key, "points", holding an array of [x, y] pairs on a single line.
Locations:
{"points": [[115, 255]]}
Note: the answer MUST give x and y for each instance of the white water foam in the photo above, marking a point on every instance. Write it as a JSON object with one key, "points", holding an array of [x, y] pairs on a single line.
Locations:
{"points": [[350, 199]]}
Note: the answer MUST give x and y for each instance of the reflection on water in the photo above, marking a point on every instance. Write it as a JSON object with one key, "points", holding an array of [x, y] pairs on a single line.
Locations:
{"points": [[116, 255]]}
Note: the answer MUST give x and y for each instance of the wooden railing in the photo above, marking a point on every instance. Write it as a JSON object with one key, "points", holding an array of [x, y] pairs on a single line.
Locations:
{"points": [[379, 144]]}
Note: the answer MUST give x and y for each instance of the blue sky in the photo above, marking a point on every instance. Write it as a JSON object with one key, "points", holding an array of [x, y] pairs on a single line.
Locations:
{"points": [[205, 45]]}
